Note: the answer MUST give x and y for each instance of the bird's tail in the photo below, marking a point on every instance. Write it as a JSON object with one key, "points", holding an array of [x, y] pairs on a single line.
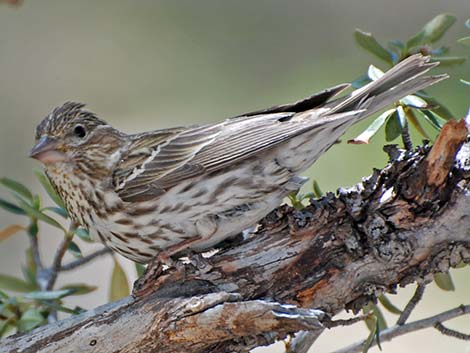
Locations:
{"points": [[405, 78]]}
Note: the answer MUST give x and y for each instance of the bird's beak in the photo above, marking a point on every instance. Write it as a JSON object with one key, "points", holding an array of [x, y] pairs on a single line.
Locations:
{"points": [[47, 151]]}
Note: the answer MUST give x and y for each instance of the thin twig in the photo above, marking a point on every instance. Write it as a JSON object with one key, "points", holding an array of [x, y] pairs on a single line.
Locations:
{"points": [[33, 240], [303, 341], [83, 260], [345, 322], [57, 262], [405, 136], [452, 333], [399, 330], [411, 304]]}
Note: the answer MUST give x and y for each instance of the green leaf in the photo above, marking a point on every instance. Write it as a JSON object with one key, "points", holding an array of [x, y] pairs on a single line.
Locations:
{"points": [[433, 119], [432, 31], [413, 119], [378, 315], [444, 281], [361, 81], [79, 288], [58, 210], [372, 335], [414, 101], [7, 327], [372, 129], [119, 285], [15, 284], [17, 187], [393, 127], [465, 41], [6, 205], [317, 190], [387, 304], [83, 234], [374, 73], [53, 305], [30, 319], [32, 212], [449, 60], [436, 106], [368, 42], [46, 184], [74, 249], [139, 269], [48, 295]]}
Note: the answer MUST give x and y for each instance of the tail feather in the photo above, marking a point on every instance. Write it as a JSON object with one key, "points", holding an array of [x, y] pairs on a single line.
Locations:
{"points": [[403, 79]]}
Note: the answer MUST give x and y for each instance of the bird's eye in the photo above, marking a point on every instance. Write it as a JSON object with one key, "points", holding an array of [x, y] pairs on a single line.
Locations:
{"points": [[79, 131]]}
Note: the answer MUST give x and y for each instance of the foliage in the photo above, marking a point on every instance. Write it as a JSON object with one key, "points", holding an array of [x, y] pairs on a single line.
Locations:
{"points": [[419, 109], [35, 301]]}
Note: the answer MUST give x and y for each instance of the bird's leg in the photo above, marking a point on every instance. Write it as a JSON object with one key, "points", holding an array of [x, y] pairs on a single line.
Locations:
{"points": [[152, 277]]}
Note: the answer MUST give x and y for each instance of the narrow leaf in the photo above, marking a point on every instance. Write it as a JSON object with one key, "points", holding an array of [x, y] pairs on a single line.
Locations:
{"points": [[15, 284], [30, 319], [46, 184], [444, 281], [79, 288], [436, 106], [48, 295], [372, 335], [17, 187], [32, 212], [413, 119], [465, 41], [84, 235], [374, 73], [317, 190], [387, 304], [393, 127], [433, 30], [367, 41], [119, 285], [10, 230], [414, 101], [6, 205], [139, 269], [74, 249], [58, 307], [360, 81], [433, 119], [372, 129], [449, 60], [58, 210]]}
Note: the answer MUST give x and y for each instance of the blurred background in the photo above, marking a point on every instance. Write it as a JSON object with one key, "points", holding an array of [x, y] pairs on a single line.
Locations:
{"points": [[145, 65]]}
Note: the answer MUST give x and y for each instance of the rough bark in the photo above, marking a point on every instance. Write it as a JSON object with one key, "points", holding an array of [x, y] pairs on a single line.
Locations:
{"points": [[402, 224]]}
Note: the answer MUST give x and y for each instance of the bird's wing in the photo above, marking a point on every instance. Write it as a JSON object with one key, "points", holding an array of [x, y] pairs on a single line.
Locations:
{"points": [[160, 160]]}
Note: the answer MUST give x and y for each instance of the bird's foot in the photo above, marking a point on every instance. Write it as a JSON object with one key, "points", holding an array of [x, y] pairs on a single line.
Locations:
{"points": [[154, 275], [200, 262]]}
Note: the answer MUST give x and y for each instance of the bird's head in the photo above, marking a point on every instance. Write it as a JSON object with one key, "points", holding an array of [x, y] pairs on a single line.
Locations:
{"points": [[72, 136]]}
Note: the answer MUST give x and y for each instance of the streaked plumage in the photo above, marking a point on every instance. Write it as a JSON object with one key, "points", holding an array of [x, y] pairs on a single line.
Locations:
{"points": [[191, 187]]}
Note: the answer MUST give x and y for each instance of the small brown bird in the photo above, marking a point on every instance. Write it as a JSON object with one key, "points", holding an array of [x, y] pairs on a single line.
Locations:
{"points": [[164, 191]]}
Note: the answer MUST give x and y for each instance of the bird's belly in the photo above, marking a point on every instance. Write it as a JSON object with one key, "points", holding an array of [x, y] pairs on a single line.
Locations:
{"points": [[211, 208]]}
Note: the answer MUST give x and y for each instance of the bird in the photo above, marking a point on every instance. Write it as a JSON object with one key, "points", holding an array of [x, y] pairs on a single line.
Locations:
{"points": [[159, 193]]}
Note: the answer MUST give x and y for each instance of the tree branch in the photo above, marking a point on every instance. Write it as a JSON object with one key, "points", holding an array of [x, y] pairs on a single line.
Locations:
{"points": [[397, 330], [401, 225], [85, 259]]}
